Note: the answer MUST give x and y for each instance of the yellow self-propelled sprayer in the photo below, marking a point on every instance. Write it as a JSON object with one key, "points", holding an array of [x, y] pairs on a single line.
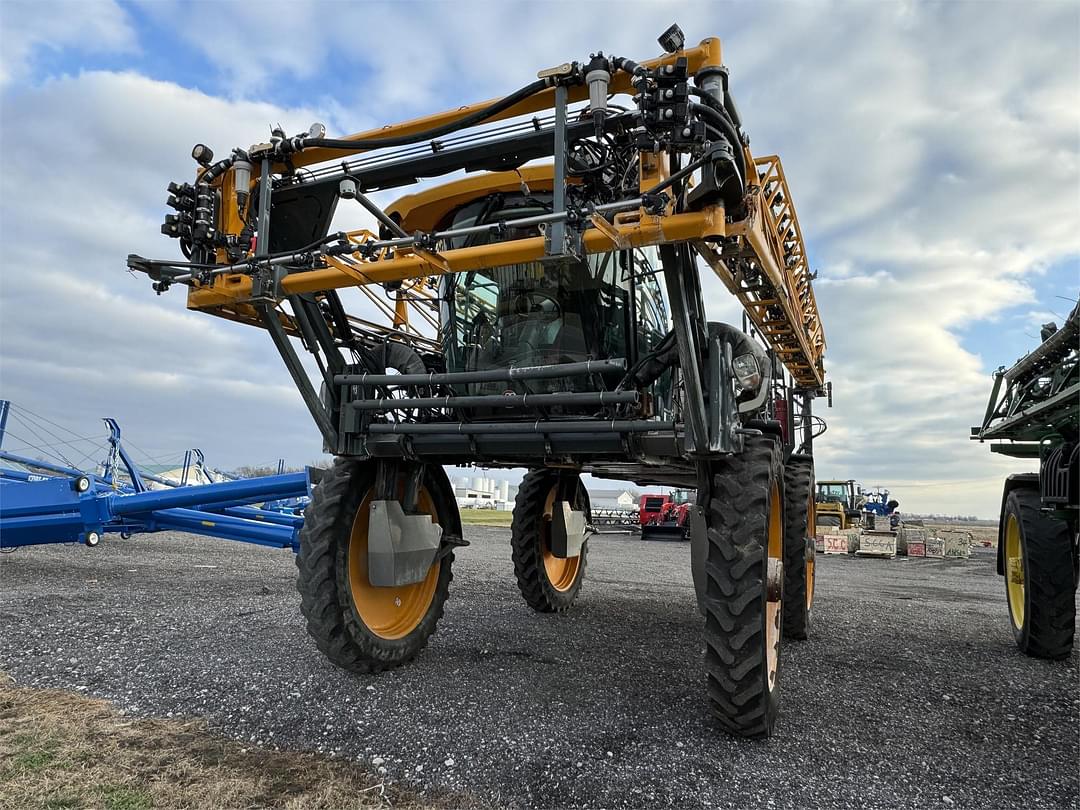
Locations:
{"points": [[543, 311]]}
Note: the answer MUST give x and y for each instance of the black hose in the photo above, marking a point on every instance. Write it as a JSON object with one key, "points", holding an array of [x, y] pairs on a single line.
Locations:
{"points": [[721, 122], [475, 117], [711, 102]]}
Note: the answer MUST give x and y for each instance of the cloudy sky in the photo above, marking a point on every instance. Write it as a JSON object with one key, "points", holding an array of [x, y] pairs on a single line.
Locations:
{"points": [[933, 151]]}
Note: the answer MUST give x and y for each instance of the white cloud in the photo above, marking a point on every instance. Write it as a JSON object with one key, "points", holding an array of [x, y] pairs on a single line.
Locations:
{"points": [[28, 27], [79, 336]]}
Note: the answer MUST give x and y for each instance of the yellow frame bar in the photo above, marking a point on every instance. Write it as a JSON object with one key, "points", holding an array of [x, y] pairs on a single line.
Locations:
{"points": [[407, 264]]}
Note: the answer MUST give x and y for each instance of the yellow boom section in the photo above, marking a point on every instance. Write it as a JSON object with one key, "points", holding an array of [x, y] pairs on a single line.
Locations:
{"points": [[785, 311]]}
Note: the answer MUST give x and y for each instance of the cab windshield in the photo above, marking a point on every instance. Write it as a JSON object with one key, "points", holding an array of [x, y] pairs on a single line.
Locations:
{"points": [[836, 493], [608, 305]]}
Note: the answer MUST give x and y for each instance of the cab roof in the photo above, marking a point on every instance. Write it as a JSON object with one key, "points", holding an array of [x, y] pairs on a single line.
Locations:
{"points": [[426, 210]]}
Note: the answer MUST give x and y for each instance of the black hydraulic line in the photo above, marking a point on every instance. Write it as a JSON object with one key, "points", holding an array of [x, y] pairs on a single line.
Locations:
{"points": [[299, 375], [473, 118], [724, 124], [549, 427], [317, 332], [711, 102], [501, 154], [339, 317], [807, 421], [686, 170], [492, 375], [499, 401]]}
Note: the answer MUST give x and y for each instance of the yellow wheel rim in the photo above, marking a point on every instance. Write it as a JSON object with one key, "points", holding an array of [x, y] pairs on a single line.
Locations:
{"points": [[811, 522], [773, 598], [389, 613], [561, 573], [1014, 571]]}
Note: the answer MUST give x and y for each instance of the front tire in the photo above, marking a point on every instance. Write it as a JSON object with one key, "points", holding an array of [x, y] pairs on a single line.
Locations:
{"points": [[358, 626], [1039, 583], [743, 601], [799, 552], [549, 584]]}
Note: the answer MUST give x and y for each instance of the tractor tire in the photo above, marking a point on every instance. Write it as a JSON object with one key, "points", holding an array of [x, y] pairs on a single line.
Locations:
{"points": [[743, 605], [548, 583], [360, 627], [799, 553], [1039, 583]]}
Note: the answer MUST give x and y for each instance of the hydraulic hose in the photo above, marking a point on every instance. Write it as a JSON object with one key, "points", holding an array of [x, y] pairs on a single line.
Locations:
{"points": [[475, 117], [721, 122]]}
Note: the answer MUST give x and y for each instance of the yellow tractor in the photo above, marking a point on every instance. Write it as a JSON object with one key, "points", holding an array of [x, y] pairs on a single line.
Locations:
{"points": [[838, 504]]}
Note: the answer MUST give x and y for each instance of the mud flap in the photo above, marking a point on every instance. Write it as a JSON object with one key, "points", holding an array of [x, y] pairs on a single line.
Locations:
{"points": [[401, 548], [567, 531]]}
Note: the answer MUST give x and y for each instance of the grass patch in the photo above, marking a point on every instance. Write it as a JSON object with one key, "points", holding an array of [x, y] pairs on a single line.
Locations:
{"points": [[62, 750], [486, 517], [119, 797], [31, 760]]}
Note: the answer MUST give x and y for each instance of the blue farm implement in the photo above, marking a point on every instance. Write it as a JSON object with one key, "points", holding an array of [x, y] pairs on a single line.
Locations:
{"points": [[43, 502]]}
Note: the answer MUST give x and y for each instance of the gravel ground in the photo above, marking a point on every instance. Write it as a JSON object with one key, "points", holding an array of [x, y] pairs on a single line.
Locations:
{"points": [[910, 694]]}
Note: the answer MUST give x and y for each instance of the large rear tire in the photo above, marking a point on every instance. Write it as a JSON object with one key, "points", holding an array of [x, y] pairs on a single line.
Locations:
{"points": [[799, 553], [358, 626], [549, 584], [1039, 583], [743, 601]]}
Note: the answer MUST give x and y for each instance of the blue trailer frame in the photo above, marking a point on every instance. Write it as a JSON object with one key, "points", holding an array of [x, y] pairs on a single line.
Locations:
{"points": [[65, 505]]}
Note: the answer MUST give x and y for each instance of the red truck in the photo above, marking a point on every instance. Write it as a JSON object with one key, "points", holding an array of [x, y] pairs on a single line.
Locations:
{"points": [[665, 517]]}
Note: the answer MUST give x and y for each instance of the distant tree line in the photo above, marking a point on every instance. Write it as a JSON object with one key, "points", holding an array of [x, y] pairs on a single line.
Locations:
{"points": [[257, 471]]}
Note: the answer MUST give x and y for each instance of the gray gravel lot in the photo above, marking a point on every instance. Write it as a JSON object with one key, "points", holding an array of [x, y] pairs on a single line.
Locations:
{"points": [[910, 694]]}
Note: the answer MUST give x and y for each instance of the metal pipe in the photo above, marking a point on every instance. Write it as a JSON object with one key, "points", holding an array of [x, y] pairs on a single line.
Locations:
{"points": [[498, 401], [492, 375], [409, 241], [69, 472], [523, 222], [556, 244], [376, 212], [261, 515], [5, 406], [577, 426], [269, 487], [225, 526]]}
